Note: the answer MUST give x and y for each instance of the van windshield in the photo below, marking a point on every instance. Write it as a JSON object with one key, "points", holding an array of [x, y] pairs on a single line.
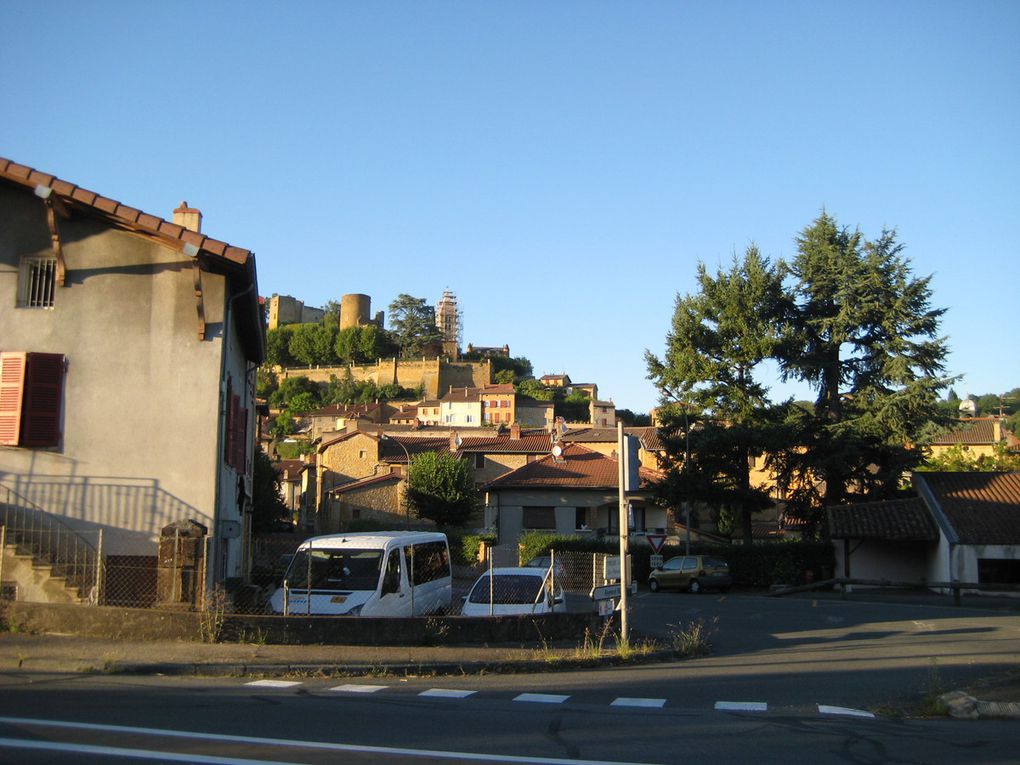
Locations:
{"points": [[335, 569]]}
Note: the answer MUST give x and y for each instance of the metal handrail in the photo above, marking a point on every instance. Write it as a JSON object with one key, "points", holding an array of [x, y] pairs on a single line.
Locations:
{"points": [[51, 542]]}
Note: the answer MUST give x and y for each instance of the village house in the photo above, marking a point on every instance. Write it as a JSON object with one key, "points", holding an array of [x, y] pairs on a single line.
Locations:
{"points": [[129, 346]]}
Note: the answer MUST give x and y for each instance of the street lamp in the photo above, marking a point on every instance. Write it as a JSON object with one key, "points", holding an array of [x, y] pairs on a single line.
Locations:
{"points": [[407, 478]]}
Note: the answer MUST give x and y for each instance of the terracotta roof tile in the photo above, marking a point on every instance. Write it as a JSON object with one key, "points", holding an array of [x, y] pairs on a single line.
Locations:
{"points": [[902, 520], [40, 179], [983, 508]]}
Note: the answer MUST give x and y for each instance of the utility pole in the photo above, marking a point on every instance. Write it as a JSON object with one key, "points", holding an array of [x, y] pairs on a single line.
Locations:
{"points": [[624, 532]]}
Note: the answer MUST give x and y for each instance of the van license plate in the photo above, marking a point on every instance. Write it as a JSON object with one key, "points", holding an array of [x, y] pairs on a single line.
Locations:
{"points": [[338, 599]]}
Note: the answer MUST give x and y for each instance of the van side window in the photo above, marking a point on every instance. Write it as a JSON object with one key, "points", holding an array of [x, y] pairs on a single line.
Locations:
{"points": [[430, 561], [391, 581]]}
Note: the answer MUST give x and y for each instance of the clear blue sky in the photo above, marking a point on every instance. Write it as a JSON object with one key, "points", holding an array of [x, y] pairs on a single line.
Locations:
{"points": [[561, 167]]}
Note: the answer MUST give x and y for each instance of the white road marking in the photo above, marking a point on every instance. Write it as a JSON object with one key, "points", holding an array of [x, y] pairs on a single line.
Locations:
{"points": [[542, 698], [623, 701], [272, 683], [138, 754], [846, 711], [281, 742], [741, 706], [924, 626], [352, 688], [446, 693]]}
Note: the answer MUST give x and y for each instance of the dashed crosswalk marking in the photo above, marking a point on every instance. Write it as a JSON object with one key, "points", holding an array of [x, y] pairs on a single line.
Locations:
{"points": [[845, 711], [623, 701], [555, 698], [741, 706], [542, 698], [273, 683], [446, 693]]}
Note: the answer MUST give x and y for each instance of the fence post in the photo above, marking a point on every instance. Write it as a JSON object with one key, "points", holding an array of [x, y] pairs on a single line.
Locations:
{"points": [[99, 568], [3, 548]]}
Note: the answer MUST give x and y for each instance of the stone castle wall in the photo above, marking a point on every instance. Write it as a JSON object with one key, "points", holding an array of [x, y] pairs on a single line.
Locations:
{"points": [[436, 375]]}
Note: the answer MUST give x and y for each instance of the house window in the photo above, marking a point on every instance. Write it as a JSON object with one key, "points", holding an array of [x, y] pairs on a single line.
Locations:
{"points": [[31, 393], [362, 453], [479, 461], [37, 281], [581, 518], [539, 518]]}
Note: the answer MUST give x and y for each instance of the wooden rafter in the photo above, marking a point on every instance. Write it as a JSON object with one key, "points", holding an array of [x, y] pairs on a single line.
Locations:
{"points": [[196, 271]]}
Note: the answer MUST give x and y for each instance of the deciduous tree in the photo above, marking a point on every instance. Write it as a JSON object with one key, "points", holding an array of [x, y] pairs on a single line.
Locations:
{"points": [[441, 488]]}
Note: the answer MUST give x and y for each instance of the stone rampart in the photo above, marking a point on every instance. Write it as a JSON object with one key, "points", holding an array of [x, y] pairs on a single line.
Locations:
{"points": [[435, 375]]}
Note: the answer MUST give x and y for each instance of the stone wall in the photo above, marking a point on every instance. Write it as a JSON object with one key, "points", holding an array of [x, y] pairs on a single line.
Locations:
{"points": [[436, 375]]}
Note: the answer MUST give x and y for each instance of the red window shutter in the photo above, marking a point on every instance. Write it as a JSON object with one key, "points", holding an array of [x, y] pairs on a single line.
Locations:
{"points": [[228, 435], [44, 391], [12, 381], [240, 421]]}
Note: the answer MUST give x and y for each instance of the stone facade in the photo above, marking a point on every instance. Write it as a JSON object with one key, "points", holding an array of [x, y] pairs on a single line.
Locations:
{"points": [[435, 375]]}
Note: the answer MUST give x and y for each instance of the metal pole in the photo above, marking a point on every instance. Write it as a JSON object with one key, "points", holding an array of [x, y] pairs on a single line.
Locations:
{"points": [[3, 547], [99, 568], [687, 490], [624, 530]]}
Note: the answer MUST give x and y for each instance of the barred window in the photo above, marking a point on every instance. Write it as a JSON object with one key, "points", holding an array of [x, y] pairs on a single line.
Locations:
{"points": [[38, 281]]}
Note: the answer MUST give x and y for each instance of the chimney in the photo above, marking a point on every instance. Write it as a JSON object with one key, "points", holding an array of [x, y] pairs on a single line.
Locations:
{"points": [[996, 431], [188, 217], [515, 432], [454, 441]]}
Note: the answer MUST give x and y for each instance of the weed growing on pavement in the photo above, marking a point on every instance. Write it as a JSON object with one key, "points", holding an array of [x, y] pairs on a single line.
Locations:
{"points": [[593, 646], [932, 705], [695, 639], [435, 632], [210, 619]]}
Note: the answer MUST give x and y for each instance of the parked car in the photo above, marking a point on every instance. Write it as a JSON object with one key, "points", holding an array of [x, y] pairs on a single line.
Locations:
{"points": [[513, 591], [692, 573], [545, 561]]}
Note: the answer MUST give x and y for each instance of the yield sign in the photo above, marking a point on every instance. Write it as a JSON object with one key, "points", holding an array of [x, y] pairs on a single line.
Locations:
{"points": [[655, 541]]}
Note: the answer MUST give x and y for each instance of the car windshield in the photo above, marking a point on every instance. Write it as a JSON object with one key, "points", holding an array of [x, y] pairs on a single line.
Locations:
{"points": [[335, 569], [507, 589]]}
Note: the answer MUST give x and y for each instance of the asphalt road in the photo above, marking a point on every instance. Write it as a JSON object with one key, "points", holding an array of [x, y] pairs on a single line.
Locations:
{"points": [[788, 677]]}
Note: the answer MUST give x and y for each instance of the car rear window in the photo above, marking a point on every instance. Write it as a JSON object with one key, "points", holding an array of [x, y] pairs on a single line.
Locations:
{"points": [[716, 563], [508, 589]]}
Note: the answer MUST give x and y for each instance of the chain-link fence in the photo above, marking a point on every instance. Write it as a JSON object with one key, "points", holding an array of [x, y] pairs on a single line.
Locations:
{"points": [[46, 560]]}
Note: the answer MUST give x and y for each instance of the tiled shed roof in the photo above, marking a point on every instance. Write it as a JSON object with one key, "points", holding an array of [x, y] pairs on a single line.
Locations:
{"points": [[983, 508], [902, 520]]}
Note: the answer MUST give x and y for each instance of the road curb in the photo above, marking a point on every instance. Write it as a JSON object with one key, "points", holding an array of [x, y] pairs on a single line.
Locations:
{"points": [[369, 669]]}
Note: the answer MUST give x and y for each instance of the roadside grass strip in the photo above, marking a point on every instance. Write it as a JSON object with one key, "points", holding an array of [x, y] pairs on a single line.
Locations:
{"points": [[844, 711], [741, 706], [646, 703], [446, 693], [353, 688], [541, 698], [273, 683]]}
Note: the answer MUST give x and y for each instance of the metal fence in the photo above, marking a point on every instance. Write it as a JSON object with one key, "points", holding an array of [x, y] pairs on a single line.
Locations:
{"points": [[44, 557], [46, 560]]}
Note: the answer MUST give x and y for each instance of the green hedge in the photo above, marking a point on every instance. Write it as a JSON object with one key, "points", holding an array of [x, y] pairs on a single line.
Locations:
{"points": [[464, 546], [759, 565]]}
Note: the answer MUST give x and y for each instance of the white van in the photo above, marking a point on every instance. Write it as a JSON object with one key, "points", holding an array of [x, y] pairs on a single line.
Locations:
{"points": [[378, 573]]}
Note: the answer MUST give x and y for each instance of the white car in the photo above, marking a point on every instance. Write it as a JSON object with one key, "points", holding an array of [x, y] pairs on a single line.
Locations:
{"points": [[513, 592]]}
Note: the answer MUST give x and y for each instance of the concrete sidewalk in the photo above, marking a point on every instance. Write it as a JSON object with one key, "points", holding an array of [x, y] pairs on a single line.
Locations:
{"points": [[72, 654]]}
